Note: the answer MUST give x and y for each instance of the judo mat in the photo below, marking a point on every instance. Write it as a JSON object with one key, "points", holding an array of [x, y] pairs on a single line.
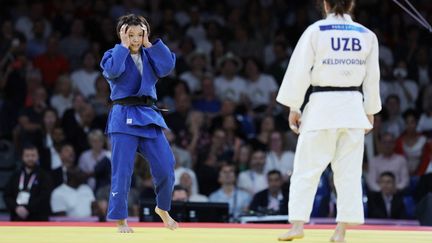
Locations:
{"points": [[74, 232]]}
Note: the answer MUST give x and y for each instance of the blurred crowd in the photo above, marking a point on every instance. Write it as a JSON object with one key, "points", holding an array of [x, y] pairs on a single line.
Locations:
{"points": [[230, 138]]}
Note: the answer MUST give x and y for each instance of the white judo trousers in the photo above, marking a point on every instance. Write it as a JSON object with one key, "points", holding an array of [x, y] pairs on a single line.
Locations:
{"points": [[343, 148]]}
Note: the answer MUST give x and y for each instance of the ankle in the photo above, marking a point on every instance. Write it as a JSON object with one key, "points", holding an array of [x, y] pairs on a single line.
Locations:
{"points": [[297, 225]]}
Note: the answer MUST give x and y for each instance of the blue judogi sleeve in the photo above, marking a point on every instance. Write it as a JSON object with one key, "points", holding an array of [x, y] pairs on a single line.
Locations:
{"points": [[113, 62], [161, 58]]}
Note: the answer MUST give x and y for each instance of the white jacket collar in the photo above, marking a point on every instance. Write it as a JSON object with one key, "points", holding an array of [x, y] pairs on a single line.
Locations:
{"points": [[346, 17]]}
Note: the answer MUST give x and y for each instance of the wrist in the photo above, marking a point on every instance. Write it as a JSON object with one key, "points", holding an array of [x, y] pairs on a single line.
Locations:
{"points": [[147, 44]]}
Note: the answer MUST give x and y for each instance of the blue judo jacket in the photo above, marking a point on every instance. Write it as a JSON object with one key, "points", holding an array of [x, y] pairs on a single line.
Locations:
{"points": [[125, 80]]}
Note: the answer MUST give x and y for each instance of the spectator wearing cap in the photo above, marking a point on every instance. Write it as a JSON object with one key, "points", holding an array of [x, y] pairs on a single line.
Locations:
{"points": [[229, 85], [198, 64]]}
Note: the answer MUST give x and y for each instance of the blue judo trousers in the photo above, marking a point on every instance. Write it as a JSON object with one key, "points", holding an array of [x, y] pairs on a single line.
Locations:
{"points": [[137, 128]]}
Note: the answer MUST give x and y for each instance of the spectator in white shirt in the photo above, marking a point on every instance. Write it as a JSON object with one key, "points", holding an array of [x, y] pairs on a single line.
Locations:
{"points": [[278, 158], [74, 198], [229, 85], [84, 79], [262, 88], [89, 158], [254, 179], [62, 99]]}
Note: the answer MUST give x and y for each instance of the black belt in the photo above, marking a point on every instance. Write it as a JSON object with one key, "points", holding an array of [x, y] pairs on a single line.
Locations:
{"points": [[133, 100], [330, 88]]}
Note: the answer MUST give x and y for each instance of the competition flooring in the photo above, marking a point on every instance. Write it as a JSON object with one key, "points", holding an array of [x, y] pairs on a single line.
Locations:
{"points": [[74, 232]]}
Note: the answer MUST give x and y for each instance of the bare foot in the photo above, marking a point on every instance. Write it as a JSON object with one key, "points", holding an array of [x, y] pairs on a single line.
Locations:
{"points": [[166, 218], [122, 227], [291, 235], [339, 234], [296, 232]]}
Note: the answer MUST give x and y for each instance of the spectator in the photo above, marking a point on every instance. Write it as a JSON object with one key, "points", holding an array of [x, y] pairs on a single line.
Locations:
{"points": [[261, 92], [51, 63], [278, 158], [188, 182], [91, 157], [28, 190], [74, 45], [274, 199], [62, 99], [254, 179], [412, 144], [237, 199], [229, 85], [73, 198], [393, 121], [425, 121], [197, 62], [388, 160], [84, 78], [387, 203], [100, 101], [180, 194], [67, 156], [206, 101]]}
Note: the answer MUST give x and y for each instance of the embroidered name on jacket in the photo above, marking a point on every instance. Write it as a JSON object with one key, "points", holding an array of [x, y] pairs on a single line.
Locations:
{"points": [[338, 61]]}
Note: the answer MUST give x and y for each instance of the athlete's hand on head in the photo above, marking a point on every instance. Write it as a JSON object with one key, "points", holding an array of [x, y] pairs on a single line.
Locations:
{"points": [[146, 42], [124, 36], [294, 120]]}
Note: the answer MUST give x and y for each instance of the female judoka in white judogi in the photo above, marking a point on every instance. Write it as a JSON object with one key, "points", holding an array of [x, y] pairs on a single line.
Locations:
{"points": [[132, 69], [339, 59]]}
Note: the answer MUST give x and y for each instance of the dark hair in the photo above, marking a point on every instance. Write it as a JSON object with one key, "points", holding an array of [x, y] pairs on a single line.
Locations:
{"points": [[340, 7], [411, 112], [389, 174], [131, 19], [274, 172], [28, 146]]}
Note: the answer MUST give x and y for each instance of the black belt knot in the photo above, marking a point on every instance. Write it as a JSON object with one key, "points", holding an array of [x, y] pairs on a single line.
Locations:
{"points": [[133, 100], [330, 88]]}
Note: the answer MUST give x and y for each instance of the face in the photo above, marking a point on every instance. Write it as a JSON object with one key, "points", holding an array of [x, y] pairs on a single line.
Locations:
{"points": [[229, 68], [30, 157], [186, 180], [267, 124], [227, 175], [393, 106], [274, 182], [180, 196], [275, 141], [67, 155], [388, 143], [136, 35], [49, 118], [251, 68], [257, 161], [89, 60], [96, 142], [411, 123], [387, 184], [244, 154]]}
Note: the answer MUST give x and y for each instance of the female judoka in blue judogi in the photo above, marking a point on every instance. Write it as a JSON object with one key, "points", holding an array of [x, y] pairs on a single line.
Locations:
{"points": [[135, 124]]}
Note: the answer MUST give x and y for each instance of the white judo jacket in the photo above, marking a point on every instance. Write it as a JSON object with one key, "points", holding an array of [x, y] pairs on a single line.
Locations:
{"points": [[337, 52]]}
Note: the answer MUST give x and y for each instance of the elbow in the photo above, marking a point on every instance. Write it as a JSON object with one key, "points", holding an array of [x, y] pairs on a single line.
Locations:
{"points": [[165, 69]]}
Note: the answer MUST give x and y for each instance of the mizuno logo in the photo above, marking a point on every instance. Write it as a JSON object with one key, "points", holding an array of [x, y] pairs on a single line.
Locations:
{"points": [[114, 193]]}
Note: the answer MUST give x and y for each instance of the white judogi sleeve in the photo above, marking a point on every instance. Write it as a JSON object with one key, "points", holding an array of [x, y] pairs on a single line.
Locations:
{"points": [[371, 91], [297, 77]]}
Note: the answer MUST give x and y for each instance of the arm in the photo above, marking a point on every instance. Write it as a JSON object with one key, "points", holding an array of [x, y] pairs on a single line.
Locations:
{"points": [[404, 174], [41, 198], [113, 61], [372, 177], [161, 58], [371, 89], [297, 77]]}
